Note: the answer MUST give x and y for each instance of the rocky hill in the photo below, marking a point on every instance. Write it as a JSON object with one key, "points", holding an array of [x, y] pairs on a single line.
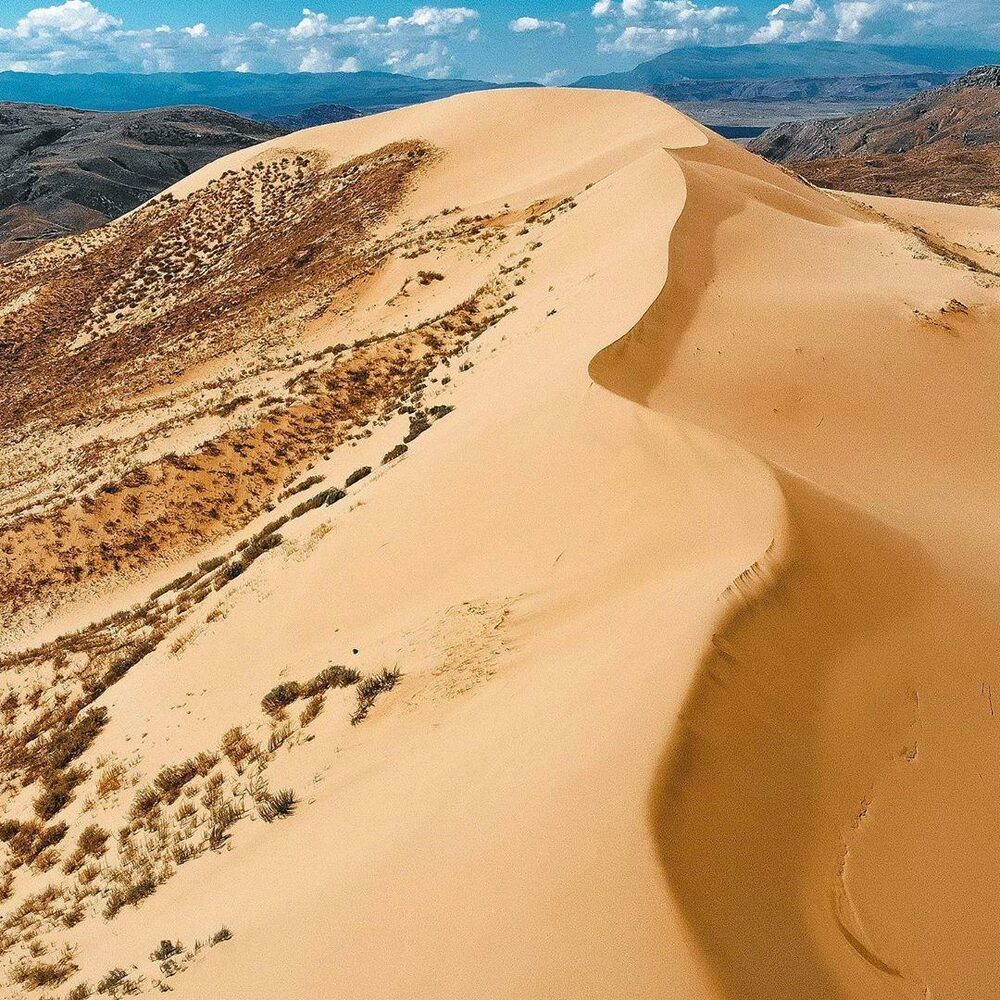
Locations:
{"points": [[64, 171], [253, 94], [942, 145], [318, 114]]}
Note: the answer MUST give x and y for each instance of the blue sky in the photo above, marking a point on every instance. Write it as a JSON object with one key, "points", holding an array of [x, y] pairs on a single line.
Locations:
{"points": [[552, 41]]}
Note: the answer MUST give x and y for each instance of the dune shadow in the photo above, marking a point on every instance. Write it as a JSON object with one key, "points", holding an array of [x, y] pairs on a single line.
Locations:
{"points": [[747, 805]]}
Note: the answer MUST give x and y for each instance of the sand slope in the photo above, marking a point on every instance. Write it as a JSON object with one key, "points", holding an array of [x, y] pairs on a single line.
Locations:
{"points": [[690, 592]]}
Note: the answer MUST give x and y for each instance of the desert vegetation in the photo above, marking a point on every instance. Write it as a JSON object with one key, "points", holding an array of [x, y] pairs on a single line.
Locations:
{"points": [[173, 381]]}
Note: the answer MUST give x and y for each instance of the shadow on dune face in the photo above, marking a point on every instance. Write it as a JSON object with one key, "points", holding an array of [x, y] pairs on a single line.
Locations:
{"points": [[826, 809], [721, 184], [756, 787]]}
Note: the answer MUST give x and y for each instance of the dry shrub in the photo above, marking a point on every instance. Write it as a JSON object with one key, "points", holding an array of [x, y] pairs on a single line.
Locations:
{"points": [[313, 707], [369, 689], [279, 804], [35, 975], [237, 747]]}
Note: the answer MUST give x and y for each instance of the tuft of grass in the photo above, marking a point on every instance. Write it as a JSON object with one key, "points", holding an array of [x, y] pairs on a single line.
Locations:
{"points": [[282, 695], [313, 708], [35, 974], [237, 747], [58, 790], [276, 805], [369, 689], [92, 844], [166, 949]]}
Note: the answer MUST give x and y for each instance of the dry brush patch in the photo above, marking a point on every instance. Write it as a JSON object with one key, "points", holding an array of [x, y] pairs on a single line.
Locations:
{"points": [[126, 326]]}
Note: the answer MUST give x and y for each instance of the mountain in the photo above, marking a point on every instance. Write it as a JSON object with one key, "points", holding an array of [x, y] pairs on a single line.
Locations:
{"points": [[942, 145], [65, 171], [520, 547], [847, 89], [801, 60], [254, 95], [319, 114]]}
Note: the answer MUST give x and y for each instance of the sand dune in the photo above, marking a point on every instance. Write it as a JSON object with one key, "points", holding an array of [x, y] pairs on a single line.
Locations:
{"points": [[691, 591]]}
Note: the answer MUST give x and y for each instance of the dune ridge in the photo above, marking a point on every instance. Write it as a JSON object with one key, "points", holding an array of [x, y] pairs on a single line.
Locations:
{"points": [[687, 622]]}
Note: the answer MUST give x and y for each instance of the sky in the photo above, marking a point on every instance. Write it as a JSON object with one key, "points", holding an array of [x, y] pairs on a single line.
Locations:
{"points": [[549, 41]]}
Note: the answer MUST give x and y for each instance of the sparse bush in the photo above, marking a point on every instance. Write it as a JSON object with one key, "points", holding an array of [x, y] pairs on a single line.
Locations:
{"points": [[280, 696], [58, 790], [358, 475], [279, 804], [32, 838], [330, 677], [222, 934], [173, 778], [369, 689], [205, 762], [167, 949], [313, 708], [35, 975], [145, 801], [278, 737], [395, 453], [110, 780], [418, 424], [130, 894], [237, 747], [65, 745], [111, 984], [92, 844]]}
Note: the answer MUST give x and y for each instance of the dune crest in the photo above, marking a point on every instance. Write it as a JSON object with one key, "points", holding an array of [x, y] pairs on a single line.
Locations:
{"points": [[535, 575]]}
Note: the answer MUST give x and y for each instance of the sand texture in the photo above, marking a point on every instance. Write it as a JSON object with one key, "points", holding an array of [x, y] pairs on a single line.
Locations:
{"points": [[521, 546]]}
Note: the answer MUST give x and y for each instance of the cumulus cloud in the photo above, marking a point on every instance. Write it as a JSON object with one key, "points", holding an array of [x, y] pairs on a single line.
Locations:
{"points": [[553, 76], [523, 24], [648, 28], [889, 21], [78, 35], [853, 17], [72, 19], [798, 21]]}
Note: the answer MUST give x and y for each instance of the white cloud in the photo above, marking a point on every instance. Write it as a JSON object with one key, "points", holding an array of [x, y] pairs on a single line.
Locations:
{"points": [[601, 8], [520, 25], [798, 21], [851, 17], [435, 20], [74, 18], [890, 21], [646, 41], [77, 35], [687, 12], [644, 28], [553, 76]]}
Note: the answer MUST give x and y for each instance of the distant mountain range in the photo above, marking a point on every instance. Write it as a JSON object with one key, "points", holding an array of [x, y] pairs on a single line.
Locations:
{"points": [[64, 171], [255, 95], [941, 145], [804, 60], [873, 88]]}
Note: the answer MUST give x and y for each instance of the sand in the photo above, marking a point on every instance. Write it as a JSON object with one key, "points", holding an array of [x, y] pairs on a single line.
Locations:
{"points": [[693, 596]]}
